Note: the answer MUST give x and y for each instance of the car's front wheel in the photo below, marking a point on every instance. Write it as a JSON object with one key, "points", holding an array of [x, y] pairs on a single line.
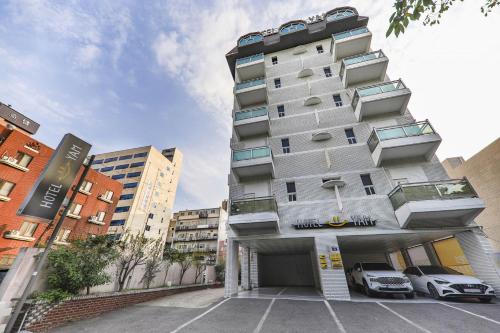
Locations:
{"points": [[485, 299], [367, 289], [433, 291]]}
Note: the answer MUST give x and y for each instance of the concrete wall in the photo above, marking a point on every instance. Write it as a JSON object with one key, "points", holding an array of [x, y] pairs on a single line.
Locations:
{"points": [[286, 270]]}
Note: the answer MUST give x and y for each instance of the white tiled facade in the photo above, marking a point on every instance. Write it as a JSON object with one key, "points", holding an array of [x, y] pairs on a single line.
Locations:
{"points": [[310, 163], [150, 183]]}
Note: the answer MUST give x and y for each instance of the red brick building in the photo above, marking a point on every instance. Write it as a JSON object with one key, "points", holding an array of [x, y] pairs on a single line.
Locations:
{"points": [[22, 160]]}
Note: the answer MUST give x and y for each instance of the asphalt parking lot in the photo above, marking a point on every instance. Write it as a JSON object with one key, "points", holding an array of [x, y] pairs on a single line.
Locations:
{"points": [[292, 310]]}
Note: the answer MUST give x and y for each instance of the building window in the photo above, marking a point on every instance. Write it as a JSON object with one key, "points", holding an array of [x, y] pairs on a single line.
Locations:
{"points": [[27, 229], [277, 83], [292, 27], [136, 164], [5, 188], [337, 100], [126, 196], [106, 169], [125, 157], [86, 186], [148, 227], [130, 185], [274, 60], [62, 235], [108, 195], [121, 167], [281, 110], [23, 159], [97, 162], [122, 209], [100, 216], [116, 223], [119, 176], [327, 71], [319, 48], [291, 191], [133, 174], [285, 145], [141, 154], [111, 159], [349, 133], [368, 184], [250, 39], [75, 209]]}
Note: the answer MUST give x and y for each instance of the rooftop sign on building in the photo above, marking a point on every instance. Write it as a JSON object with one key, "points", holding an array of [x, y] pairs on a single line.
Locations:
{"points": [[18, 119]]}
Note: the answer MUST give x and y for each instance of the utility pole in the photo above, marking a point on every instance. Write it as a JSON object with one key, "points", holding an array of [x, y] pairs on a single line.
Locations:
{"points": [[41, 261]]}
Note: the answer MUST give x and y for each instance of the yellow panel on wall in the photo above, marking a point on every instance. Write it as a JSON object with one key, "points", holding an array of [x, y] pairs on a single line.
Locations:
{"points": [[450, 254]]}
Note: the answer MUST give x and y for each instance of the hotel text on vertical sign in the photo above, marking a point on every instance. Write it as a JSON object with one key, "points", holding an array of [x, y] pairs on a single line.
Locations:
{"points": [[51, 188]]}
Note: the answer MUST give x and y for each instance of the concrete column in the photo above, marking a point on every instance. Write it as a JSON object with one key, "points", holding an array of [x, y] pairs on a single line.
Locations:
{"points": [[245, 274], [333, 280], [406, 257], [431, 254], [479, 253], [231, 279], [254, 268]]}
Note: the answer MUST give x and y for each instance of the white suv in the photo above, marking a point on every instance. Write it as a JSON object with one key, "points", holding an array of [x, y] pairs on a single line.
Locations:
{"points": [[380, 278]]}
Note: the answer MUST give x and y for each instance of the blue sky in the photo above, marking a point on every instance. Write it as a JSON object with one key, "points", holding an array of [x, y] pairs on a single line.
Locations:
{"points": [[122, 74]]}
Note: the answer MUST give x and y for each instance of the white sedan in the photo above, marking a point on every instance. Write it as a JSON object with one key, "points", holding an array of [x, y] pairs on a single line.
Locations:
{"points": [[443, 282]]}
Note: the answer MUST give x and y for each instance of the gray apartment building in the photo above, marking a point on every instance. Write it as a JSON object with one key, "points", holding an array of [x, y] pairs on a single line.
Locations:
{"points": [[329, 167]]}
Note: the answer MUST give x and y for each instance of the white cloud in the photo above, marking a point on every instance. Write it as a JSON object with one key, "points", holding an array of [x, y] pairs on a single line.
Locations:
{"points": [[87, 55]]}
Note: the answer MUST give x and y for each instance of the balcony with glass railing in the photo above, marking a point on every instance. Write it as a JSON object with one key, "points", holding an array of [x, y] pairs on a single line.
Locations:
{"points": [[251, 92], [446, 203], [416, 141], [249, 215], [251, 67], [351, 42], [253, 162], [381, 98], [363, 67], [252, 122]]}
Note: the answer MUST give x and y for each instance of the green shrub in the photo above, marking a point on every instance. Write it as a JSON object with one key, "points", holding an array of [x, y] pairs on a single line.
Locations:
{"points": [[53, 296]]}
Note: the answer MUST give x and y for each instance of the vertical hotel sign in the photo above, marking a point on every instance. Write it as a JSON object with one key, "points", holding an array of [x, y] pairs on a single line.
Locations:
{"points": [[51, 188]]}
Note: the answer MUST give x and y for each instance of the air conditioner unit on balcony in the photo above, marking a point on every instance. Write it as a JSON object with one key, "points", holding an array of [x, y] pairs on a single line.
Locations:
{"points": [[12, 160], [13, 233]]}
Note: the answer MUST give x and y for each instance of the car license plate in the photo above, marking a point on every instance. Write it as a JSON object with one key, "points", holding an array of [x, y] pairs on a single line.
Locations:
{"points": [[472, 290]]}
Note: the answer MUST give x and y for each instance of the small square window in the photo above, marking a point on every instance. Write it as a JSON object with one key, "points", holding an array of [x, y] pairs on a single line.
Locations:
{"points": [[368, 184], [281, 111], [319, 48], [351, 138], [285, 144], [327, 71], [148, 227], [291, 191], [337, 100], [274, 60], [277, 83]]}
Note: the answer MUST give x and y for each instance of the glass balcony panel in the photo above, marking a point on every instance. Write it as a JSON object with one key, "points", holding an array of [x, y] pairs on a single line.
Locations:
{"points": [[251, 58], [250, 206], [361, 58], [261, 152], [247, 114], [250, 83], [391, 133], [242, 155], [350, 33], [454, 191]]}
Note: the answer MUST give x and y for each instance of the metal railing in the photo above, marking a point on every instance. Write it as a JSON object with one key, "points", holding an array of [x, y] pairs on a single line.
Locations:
{"points": [[376, 89], [253, 205], [252, 113], [251, 58], [195, 238], [438, 190], [196, 226], [360, 58], [251, 153], [250, 83], [350, 33], [399, 131], [199, 250]]}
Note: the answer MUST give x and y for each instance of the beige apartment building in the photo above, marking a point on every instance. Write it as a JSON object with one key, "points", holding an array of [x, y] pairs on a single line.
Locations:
{"points": [[199, 231], [483, 172], [150, 180]]}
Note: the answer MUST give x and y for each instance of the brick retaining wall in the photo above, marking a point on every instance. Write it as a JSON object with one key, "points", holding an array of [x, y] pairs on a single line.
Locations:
{"points": [[43, 316]]}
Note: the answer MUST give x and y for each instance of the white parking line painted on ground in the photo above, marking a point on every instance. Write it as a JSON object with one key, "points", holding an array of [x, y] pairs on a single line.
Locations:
{"points": [[404, 318], [263, 319], [198, 317], [335, 318], [471, 313], [282, 291]]}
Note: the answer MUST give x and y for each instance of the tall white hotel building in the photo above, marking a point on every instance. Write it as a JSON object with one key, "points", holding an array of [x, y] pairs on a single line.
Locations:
{"points": [[329, 167]]}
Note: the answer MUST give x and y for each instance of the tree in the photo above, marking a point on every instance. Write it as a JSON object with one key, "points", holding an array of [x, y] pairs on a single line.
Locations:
{"points": [[431, 10], [153, 263], [184, 260], [220, 270], [169, 257], [80, 265], [133, 252], [199, 265]]}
